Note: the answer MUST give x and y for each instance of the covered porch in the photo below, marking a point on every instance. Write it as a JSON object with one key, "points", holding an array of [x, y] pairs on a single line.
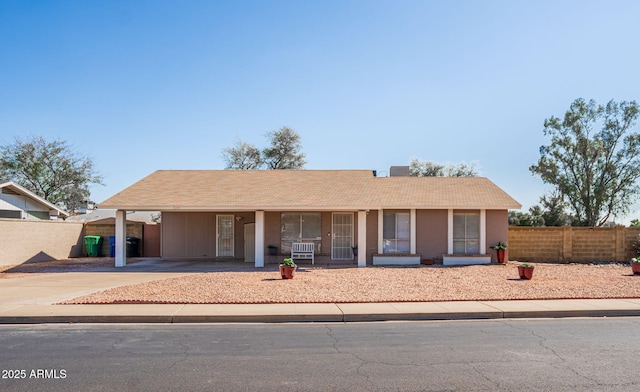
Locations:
{"points": [[224, 235]]}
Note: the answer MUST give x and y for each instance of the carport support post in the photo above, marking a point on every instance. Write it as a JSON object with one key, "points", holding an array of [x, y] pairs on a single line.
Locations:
{"points": [[121, 238], [259, 257]]}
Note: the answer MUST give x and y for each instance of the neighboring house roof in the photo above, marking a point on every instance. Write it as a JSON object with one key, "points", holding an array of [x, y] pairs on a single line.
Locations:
{"points": [[19, 190], [198, 190], [107, 216]]}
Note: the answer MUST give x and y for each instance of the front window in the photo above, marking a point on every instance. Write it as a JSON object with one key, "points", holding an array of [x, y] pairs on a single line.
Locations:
{"points": [[466, 232], [396, 232], [300, 227]]}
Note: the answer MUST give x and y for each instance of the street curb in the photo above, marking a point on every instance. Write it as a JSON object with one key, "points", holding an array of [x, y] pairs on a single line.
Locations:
{"points": [[574, 313], [309, 318]]}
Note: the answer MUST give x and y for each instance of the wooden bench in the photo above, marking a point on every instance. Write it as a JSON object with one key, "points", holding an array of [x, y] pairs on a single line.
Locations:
{"points": [[303, 250]]}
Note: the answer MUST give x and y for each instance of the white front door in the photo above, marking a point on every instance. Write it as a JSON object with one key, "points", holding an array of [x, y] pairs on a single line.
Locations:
{"points": [[250, 243], [342, 238], [224, 235]]}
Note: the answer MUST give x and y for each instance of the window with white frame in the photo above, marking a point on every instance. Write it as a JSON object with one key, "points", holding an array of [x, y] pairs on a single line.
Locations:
{"points": [[396, 232], [466, 232], [300, 227]]}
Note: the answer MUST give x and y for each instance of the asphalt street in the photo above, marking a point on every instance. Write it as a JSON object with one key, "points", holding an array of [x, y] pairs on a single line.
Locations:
{"points": [[579, 354]]}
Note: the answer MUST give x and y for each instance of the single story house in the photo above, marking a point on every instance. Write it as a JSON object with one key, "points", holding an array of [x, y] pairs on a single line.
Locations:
{"points": [[17, 202], [215, 214]]}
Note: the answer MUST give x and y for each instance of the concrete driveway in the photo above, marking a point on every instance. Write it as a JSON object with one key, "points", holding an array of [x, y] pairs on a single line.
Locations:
{"points": [[53, 287]]}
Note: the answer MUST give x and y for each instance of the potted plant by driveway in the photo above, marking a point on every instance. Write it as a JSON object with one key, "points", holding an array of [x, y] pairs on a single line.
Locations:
{"points": [[635, 266], [272, 249], [287, 268], [500, 248], [525, 271]]}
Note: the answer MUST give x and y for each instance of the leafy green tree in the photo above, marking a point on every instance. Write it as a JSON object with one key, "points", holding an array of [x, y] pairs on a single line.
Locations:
{"points": [[243, 156], [285, 151], [550, 212], [593, 159], [52, 170], [554, 210], [531, 218], [418, 168]]}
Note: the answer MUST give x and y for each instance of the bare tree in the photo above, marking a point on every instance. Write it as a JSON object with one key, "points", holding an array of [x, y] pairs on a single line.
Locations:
{"points": [[285, 151], [419, 168], [243, 156]]}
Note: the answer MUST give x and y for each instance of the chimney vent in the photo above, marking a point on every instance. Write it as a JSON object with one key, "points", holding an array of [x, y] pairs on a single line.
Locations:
{"points": [[399, 171]]}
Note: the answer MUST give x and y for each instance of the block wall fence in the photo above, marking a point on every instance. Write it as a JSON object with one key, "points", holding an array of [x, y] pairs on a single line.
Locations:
{"points": [[571, 244], [24, 241]]}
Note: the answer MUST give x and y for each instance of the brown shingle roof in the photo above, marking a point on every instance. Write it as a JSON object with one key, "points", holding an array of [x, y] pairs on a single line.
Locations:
{"points": [[304, 190]]}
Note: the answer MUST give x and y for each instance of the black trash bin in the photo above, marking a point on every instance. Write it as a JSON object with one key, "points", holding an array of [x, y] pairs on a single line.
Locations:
{"points": [[112, 246], [133, 246]]}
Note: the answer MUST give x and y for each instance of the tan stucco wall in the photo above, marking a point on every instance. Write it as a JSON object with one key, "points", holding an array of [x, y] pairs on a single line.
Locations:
{"points": [[271, 231], [431, 233], [193, 234], [497, 231], [372, 235], [26, 240], [188, 234]]}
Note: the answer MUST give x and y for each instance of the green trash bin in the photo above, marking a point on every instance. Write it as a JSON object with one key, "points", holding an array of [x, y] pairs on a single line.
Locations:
{"points": [[93, 244]]}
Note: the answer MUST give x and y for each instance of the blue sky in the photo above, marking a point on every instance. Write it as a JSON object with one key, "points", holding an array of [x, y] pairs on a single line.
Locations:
{"points": [[145, 85]]}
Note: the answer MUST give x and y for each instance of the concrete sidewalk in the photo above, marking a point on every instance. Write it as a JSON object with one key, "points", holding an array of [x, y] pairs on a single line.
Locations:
{"points": [[31, 299], [331, 312]]}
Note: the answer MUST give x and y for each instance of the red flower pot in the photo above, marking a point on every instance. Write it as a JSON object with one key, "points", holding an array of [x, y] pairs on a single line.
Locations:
{"points": [[635, 267], [525, 272], [287, 272], [500, 254]]}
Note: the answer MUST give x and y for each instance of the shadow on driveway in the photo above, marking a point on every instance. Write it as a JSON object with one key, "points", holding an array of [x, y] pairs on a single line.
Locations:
{"points": [[107, 264]]}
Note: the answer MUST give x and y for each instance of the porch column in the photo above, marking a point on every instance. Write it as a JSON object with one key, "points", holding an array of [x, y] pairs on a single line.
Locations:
{"points": [[362, 238], [483, 232], [413, 235], [121, 238], [450, 231], [380, 231], [259, 256]]}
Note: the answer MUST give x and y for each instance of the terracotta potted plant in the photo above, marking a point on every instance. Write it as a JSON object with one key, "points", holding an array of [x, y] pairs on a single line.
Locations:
{"points": [[525, 271], [272, 250], [500, 251], [287, 268], [635, 266]]}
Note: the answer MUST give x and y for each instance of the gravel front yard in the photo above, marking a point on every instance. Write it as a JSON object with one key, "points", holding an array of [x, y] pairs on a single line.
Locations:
{"points": [[377, 284]]}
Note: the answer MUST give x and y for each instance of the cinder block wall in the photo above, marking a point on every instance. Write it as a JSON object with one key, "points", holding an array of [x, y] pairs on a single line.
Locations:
{"points": [[572, 244], [24, 240]]}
